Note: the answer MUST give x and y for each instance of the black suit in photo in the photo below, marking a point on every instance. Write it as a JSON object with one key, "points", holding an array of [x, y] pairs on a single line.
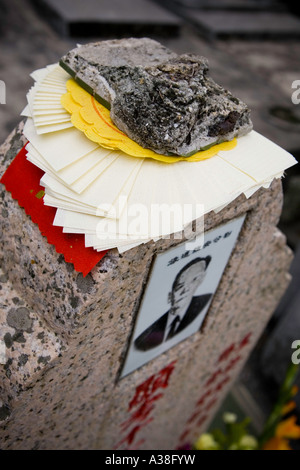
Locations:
{"points": [[154, 335]]}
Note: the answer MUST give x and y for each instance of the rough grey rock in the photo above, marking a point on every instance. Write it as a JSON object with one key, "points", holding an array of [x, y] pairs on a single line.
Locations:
{"points": [[163, 101]]}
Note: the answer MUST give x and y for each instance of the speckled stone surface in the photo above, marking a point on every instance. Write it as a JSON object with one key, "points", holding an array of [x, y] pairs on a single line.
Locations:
{"points": [[29, 343], [75, 401]]}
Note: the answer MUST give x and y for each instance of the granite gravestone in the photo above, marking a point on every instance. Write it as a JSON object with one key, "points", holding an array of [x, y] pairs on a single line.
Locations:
{"points": [[67, 339]]}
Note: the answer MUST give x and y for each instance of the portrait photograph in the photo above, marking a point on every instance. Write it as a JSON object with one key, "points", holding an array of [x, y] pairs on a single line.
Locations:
{"points": [[179, 292]]}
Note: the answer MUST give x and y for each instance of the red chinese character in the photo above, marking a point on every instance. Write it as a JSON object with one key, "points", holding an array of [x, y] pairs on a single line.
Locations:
{"points": [[194, 416], [213, 377], [129, 438], [184, 435], [226, 354], [211, 404], [245, 341], [202, 420], [141, 413], [162, 378], [232, 363], [142, 393], [144, 398], [202, 399], [136, 446], [222, 384]]}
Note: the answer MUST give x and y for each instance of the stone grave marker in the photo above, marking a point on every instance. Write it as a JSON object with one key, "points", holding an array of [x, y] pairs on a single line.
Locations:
{"points": [[96, 362]]}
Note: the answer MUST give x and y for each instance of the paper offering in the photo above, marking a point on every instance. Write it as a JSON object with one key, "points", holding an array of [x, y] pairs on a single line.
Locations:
{"points": [[118, 201]]}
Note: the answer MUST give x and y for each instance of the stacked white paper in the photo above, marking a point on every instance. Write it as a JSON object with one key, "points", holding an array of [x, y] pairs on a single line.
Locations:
{"points": [[120, 201]]}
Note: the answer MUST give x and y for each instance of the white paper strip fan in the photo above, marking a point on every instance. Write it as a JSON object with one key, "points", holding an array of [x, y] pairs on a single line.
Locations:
{"points": [[44, 100], [120, 201]]}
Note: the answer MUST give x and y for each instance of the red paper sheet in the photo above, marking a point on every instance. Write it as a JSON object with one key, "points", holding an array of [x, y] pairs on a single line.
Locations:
{"points": [[22, 179]]}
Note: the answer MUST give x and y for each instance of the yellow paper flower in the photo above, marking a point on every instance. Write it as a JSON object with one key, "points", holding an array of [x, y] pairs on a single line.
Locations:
{"points": [[90, 117]]}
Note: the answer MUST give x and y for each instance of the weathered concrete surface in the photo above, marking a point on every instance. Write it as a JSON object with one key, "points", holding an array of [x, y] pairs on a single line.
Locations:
{"points": [[76, 401]]}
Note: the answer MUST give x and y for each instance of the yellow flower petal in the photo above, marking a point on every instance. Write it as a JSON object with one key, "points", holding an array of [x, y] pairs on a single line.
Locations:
{"points": [[277, 443], [288, 429], [248, 442], [206, 442], [90, 117], [229, 418], [288, 408]]}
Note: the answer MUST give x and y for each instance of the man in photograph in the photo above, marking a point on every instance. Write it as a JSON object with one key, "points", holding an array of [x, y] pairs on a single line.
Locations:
{"points": [[184, 309]]}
